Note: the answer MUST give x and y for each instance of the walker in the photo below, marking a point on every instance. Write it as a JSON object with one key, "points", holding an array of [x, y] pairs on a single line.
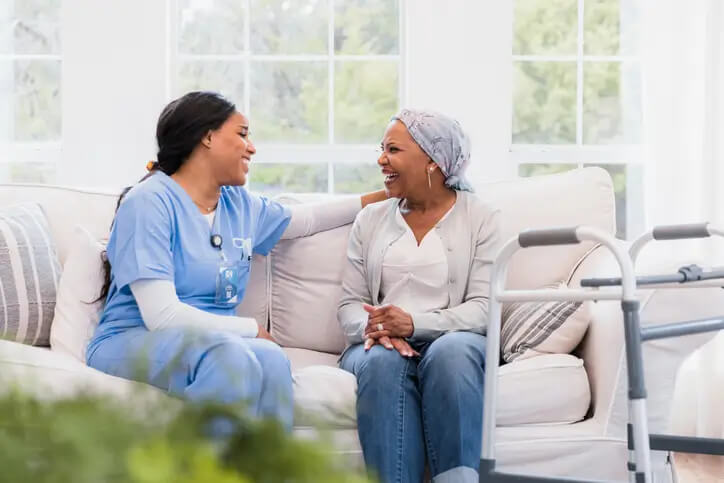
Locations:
{"points": [[640, 442]]}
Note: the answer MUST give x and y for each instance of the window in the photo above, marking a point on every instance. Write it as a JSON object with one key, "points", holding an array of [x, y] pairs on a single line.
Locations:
{"points": [[577, 94], [30, 90], [319, 80]]}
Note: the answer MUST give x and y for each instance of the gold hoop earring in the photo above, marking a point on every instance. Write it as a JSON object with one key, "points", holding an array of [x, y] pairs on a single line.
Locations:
{"points": [[429, 181]]}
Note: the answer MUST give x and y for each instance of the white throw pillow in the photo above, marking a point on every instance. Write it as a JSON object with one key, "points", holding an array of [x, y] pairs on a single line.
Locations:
{"points": [[76, 313]]}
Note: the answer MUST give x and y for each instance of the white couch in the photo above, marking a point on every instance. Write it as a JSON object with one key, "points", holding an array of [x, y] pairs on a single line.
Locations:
{"points": [[558, 414]]}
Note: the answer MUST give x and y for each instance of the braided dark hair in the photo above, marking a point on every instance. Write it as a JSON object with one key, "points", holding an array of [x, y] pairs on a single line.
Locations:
{"points": [[182, 125]]}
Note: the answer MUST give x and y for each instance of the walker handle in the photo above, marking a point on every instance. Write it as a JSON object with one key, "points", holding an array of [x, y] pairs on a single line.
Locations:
{"points": [[551, 236], [679, 232]]}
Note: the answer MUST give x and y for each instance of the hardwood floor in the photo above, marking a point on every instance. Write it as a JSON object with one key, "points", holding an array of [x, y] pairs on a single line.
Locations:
{"points": [[692, 468]]}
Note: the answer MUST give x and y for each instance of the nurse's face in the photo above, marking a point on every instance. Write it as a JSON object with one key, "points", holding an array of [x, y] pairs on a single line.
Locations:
{"points": [[231, 150]]}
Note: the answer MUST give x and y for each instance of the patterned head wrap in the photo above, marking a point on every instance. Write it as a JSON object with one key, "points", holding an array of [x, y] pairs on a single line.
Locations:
{"points": [[443, 140]]}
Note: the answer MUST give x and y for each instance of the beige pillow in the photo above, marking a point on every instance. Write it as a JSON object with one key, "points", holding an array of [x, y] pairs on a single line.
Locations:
{"points": [[534, 328]]}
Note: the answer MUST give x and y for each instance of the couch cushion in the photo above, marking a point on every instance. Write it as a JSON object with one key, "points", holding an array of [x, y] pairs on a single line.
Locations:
{"points": [[306, 275], [529, 391], [581, 196], [46, 373], [29, 273]]}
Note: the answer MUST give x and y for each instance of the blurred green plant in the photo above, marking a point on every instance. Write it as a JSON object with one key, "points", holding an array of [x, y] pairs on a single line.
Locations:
{"points": [[95, 440]]}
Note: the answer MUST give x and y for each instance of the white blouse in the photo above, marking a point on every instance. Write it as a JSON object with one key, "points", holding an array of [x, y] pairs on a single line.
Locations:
{"points": [[414, 277]]}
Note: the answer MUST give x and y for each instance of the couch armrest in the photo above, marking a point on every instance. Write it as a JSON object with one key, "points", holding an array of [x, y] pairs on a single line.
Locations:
{"points": [[603, 349]]}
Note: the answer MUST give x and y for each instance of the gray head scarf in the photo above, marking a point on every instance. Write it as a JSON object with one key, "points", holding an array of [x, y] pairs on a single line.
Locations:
{"points": [[443, 140]]}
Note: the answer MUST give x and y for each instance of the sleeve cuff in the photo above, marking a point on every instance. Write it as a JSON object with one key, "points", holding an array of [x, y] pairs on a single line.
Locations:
{"points": [[425, 326], [246, 327]]}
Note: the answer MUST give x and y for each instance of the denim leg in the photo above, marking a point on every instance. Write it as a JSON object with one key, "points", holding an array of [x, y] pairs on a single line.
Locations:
{"points": [[196, 365], [388, 412], [276, 399], [451, 376]]}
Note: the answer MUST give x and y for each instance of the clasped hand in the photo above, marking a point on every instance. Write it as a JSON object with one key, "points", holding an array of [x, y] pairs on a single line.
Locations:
{"points": [[388, 325]]}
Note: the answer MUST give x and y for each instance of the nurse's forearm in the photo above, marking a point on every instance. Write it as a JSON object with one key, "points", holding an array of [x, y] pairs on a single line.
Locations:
{"points": [[310, 218], [374, 197], [161, 309]]}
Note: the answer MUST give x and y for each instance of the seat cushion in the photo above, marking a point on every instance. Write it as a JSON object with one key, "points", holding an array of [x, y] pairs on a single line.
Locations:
{"points": [[48, 374], [529, 391]]}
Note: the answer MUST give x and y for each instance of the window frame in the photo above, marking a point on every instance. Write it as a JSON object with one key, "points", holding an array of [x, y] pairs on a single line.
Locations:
{"points": [[580, 154], [330, 153], [31, 152]]}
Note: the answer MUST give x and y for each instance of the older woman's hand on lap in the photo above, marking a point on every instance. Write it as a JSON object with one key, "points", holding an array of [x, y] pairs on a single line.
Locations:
{"points": [[388, 320], [387, 326]]}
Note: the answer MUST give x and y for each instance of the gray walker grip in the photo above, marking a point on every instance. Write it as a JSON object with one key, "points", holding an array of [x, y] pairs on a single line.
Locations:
{"points": [[552, 236], [679, 232]]}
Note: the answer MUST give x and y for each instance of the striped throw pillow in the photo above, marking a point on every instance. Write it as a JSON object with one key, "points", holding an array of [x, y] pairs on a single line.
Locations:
{"points": [[29, 273], [534, 328]]}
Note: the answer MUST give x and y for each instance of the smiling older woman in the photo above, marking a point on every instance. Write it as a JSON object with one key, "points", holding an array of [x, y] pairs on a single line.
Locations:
{"points": [[415, 304]]}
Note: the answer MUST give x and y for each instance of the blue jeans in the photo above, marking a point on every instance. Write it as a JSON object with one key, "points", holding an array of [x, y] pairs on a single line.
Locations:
{"points": [[407, 408], [202, 366]]}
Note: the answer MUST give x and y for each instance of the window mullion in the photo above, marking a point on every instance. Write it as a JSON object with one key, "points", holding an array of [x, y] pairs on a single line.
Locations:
{"points": [[330, 92], [579, 77]]}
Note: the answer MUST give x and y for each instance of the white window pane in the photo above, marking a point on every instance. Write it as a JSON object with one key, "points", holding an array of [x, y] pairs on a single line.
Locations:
{"points": [[224, 77], [611, 103], [544, 102], [30, 26], [37, 100], [545, 27], [211, 26], [357, 178], [289, 102], [367, 27], [298, 27], [611, 27], [365, 97], [274, 178]]}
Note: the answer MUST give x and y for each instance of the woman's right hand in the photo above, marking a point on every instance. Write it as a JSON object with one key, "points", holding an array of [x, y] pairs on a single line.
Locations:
{"points": [[389, 343], [264, 334]]}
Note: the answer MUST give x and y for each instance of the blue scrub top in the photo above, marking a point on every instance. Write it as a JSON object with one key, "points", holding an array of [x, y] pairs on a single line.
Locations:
{"points": [[159, 234]]}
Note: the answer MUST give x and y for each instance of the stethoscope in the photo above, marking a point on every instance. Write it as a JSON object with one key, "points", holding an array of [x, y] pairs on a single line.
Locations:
{"points": [[216, 240]]}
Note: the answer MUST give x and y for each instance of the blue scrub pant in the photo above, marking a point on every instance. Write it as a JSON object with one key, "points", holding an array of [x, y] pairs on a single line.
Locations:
{"points": [[202, 366]]}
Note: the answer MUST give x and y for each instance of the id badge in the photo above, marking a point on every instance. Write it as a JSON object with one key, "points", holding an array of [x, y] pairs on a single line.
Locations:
{"points": [[228, 281]]}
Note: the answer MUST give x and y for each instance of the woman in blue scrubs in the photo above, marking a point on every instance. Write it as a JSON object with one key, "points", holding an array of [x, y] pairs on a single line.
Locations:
{"points": [[178, 261]]}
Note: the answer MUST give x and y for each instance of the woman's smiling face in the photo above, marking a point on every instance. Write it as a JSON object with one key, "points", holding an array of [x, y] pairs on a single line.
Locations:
{"points": [[404, 164]]}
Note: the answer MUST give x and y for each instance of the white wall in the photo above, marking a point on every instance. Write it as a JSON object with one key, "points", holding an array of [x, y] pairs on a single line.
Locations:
{"points": [[114, 86], [459, 63]]}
